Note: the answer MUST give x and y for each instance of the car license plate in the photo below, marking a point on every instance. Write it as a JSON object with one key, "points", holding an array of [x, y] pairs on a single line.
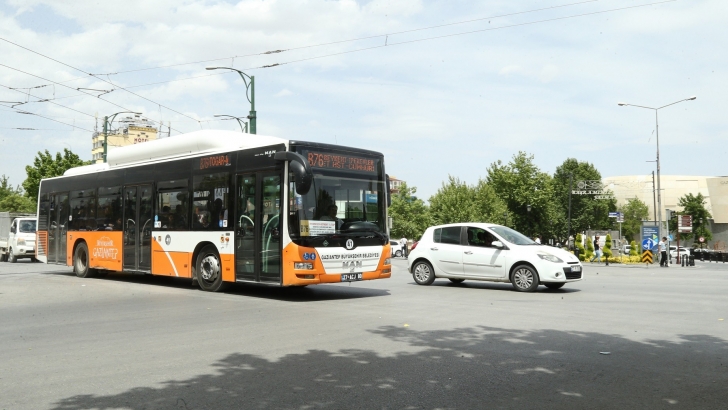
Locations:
{"points": [[576, 268], [350, 277]]}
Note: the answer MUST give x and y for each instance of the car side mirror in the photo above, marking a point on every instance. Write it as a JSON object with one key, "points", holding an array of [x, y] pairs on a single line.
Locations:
{"points": [[497, 244]]}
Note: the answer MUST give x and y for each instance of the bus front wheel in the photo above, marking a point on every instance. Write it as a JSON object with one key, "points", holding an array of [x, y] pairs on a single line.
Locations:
{"points": [[209, 270]]}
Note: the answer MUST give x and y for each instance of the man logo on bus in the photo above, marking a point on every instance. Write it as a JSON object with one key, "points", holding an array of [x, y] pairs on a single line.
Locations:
{"points": [[349, 244], [351, 265]]}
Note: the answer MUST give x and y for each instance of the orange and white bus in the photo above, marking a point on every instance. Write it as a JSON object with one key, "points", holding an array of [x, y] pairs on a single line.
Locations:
{"points": [[221, 207]]}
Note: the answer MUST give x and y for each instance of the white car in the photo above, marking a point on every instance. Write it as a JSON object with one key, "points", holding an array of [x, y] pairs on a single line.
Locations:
{"points": [[489, 252], [396, 249]]}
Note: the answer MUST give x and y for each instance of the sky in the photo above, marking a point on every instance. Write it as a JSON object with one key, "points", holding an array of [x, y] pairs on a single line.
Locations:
{"points": [[439, 87]]}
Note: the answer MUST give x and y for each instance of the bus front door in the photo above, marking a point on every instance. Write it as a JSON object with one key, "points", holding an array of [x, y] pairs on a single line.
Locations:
{"points": [[58, 227], [137, 228], [257, 227]]}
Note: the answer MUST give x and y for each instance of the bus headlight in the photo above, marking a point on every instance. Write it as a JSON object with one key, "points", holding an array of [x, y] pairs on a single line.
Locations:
{"points": [[388, 261], [303, 265]]}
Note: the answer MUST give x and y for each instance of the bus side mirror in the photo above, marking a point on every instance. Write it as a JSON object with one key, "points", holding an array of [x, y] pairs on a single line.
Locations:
{"points": [[299, 167], [389, 190]]}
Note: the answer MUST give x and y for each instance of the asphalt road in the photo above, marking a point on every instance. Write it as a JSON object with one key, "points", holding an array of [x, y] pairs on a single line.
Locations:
{"points": [[624, 338]]}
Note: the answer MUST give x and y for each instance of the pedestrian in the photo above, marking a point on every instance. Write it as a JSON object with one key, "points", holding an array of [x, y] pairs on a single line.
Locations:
{"points": [[403, 242], [597, 250], [663, 252]]}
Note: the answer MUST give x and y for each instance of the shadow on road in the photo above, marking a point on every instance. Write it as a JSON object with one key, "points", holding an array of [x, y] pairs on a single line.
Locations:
{"points": [[314, 293], [499, 286], [469, 368]]}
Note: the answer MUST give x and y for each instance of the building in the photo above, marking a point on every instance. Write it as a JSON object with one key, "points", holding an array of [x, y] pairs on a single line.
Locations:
{"points": [[131, 130], [394, 184], [714, 189]]}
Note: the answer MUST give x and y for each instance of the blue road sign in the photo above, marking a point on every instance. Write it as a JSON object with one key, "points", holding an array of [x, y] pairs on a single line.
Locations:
{"points": [[648, 244], [651, 232]]}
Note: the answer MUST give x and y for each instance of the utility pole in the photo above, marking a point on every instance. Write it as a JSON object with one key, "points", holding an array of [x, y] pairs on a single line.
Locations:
{"points": [[654, 201]]}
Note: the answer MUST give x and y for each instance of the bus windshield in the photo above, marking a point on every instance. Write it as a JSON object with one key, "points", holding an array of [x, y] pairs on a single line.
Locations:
{"points": [[338, 205]]}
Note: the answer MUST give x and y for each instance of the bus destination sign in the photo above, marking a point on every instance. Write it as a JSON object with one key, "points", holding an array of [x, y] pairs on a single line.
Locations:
{"points": [[214, 161], [341, 162]]}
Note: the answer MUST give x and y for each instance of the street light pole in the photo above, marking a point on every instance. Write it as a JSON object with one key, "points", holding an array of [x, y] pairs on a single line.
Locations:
{"points": [[568, 232], [107, 124], [657, 136], [230, 117], [249, 87]]}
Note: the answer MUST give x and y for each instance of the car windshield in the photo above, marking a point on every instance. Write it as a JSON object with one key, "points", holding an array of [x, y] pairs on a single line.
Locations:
{"points": [[27, 226], [512, 236]]}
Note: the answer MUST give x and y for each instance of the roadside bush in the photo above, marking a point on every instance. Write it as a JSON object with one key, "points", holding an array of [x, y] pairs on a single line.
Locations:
{"points": [[580, 247], [633, 249], [589, 249], [608, 247]]}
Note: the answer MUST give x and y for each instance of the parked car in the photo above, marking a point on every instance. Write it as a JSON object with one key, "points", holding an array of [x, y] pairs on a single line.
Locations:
{"points": [[626, 249], [489, 252], [683, 251], [396, 249]]}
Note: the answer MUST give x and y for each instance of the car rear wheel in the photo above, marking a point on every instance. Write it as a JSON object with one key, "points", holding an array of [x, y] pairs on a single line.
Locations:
{"points": [[554, 285], [423, 273], [456, 280], [398, 254], [524, 278]]}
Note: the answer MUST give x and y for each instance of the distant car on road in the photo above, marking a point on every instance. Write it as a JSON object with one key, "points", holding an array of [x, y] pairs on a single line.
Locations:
{"points": [[489, 252], [396, 249]]}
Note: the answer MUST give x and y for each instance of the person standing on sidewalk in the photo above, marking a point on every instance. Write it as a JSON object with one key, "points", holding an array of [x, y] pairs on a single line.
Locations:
{"points": [[663, 252], [403, 242], [597, 250]]}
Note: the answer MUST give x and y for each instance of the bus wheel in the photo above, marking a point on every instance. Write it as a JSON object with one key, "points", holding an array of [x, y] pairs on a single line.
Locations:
{"points": [[209, 270], [80, 262]]}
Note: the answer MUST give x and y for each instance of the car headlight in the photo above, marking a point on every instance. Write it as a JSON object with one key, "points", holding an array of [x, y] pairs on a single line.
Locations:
{"points": [[21, 241], [549, 257], [303, 265]]}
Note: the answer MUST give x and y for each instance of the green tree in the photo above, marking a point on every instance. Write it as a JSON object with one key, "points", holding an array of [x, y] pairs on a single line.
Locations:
{"points": [[586, 211], [17, 203], [6, 189], [580, 246], [694, 205], [633, 249], [635, 211], [521, 183], [608, 246], [45, 166], [410, 216], [455, 202], [589, 249]]}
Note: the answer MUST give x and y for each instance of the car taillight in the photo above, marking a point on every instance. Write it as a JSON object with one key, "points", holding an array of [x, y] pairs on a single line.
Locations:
{"points": [[414, 245]]}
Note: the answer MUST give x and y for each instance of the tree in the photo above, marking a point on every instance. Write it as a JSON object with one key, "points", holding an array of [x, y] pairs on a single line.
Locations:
{"points": [[455, 202], [586, 211], [635, 211], [589, 249], [633, 249], [17, 203], [45, 166], [520, 184], [580, 247], [694, 205], [6, 189], [410, 216], [608, 247]]}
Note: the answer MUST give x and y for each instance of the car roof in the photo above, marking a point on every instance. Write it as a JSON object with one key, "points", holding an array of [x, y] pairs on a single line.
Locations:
{"points": [[475, 224]]}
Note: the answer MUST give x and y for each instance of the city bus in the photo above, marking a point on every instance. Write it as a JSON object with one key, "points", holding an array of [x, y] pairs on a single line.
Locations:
{"points": [[220, 207]]}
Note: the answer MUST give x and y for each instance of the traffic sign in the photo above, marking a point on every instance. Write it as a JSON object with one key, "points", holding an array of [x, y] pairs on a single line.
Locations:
{"points": [[685, 223], [701, 239], [669, 237], [648, 244], [647, 256]]}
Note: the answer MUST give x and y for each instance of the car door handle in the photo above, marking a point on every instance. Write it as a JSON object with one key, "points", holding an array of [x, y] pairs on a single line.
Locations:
{"points": [[468, 253], [433, 249]]}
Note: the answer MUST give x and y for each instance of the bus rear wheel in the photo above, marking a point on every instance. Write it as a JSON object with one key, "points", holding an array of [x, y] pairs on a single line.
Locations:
{"points": [[81, 262], [209, 270]]}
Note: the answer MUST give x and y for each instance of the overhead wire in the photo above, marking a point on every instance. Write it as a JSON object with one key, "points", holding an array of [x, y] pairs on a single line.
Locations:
{"points": [[353, 39]]}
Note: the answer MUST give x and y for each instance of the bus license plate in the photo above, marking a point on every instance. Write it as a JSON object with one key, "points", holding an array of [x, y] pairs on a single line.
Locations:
{"points": [[576, 268], [350, 277]]}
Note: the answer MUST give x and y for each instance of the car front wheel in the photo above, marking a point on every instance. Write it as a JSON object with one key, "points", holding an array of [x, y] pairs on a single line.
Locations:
{"points": [[524, 278], [423, 273]]}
